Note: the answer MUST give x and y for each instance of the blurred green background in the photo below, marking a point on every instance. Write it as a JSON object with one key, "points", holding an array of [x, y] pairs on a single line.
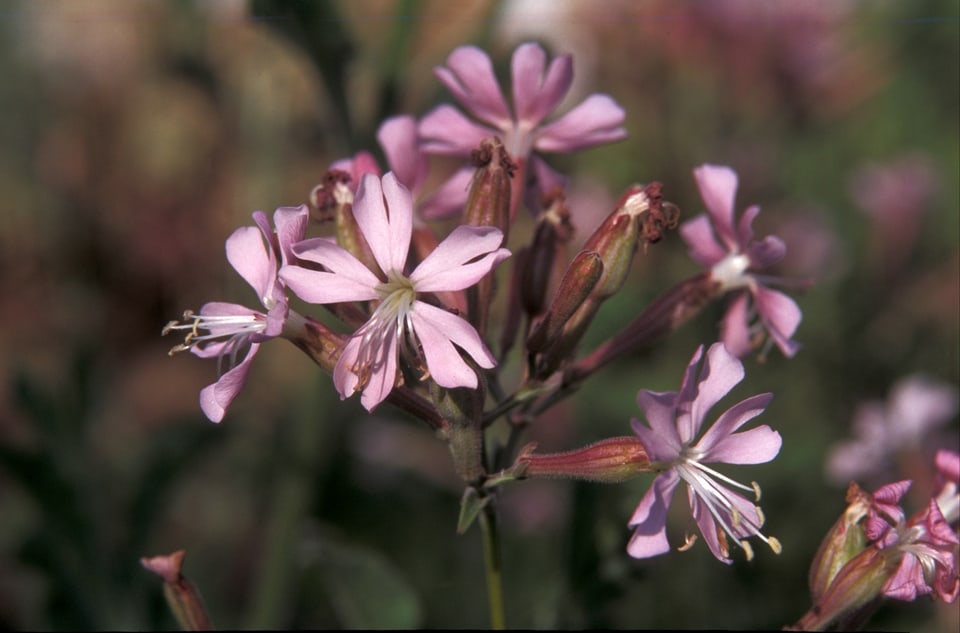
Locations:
{"points": [[137, 135]]}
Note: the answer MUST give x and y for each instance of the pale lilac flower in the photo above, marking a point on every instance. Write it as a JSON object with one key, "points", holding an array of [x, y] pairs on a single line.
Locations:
{"points": [[407, 159], [401, 321], [924, 547], [916, 406], [537, 89], [727, 249], [256, 253], [671, 441]]}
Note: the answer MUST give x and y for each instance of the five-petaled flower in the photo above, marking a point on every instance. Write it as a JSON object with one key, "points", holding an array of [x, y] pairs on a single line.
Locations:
{"points": [[402, 320], [537, 91], [672, 444], [732, 261], [255, 253]]}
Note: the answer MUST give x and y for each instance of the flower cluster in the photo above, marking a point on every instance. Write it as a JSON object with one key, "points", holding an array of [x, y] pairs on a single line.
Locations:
{"points": [[414, 307], [876, 551]]}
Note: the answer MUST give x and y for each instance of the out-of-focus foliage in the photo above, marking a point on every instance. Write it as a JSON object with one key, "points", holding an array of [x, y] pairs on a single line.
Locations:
{"points": [[136, 136]]}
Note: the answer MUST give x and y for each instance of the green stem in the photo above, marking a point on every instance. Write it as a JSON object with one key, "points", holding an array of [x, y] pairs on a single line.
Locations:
{"points": [[491, 559]]}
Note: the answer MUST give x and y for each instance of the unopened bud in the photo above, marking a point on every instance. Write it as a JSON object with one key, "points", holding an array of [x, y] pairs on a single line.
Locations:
{"points": [[639, 216], [552, 233], [845, 540], [853, 595], [577, 284], [488, 204], [607, 461], [183, 598]]}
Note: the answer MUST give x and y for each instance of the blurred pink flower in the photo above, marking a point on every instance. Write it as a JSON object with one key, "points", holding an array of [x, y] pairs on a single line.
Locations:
{"points": [[675, 420], [400, 321], [537, 90], [727, 249], [895, 196], [916, 406], [255, 253]]}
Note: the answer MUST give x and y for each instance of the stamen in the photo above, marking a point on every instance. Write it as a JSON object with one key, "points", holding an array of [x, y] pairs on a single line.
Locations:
{"points": [[688, 542], [747, 549]]}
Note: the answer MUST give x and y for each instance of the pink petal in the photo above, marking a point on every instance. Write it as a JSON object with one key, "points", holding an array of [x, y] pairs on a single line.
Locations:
{"points": [[780, 316], [661, 440], [445, 130], [470, 78], [718, 188], [383, 376], [907, 582], [754, 446], [766, 252], [398, 138], [707, 525], [721, 372], [215, 398], [447, 267], [450, 198], [702, 241], [745, 226], [291, 223], [361, 164], [597, 120], [314, 286], [720, 442], [385, 217], [546, 177], [650, 518], [249, 257], [735, 329], [437, 330], [535, 95]]}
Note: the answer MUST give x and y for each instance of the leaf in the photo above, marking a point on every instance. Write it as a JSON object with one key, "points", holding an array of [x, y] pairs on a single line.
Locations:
{"points": [[470, 506]]}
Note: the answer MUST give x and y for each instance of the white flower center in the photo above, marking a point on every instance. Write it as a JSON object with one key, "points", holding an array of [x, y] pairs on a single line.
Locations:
{"points": [[707, 487], [234, 329], [391, 319], [730, 271]]}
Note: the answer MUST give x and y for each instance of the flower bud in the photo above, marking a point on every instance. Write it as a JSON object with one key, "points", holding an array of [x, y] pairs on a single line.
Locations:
{"points": [[183, 598], [845, 540], [552, 233], [575, 287], [607, 461], [639, 216], [488, 204], [853, 595]]}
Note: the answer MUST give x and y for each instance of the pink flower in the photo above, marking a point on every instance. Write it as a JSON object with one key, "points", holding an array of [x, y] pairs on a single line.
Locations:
{"points": [[255, 253], [405, 154], [401, 321], [537, 91], [671, 441], [731, 254]]}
